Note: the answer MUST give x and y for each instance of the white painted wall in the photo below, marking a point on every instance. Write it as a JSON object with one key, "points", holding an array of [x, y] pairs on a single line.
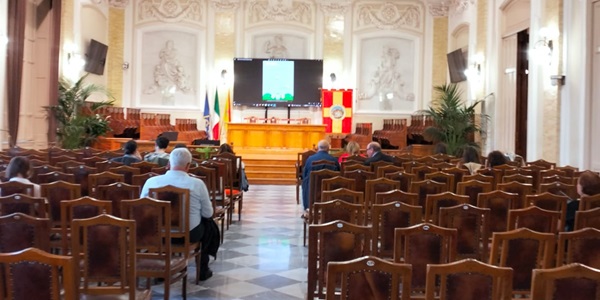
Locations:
{"points": [[3, 95]]}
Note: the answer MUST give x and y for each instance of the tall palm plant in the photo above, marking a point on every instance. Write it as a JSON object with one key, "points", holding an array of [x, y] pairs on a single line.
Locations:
{"points": [[455, 123], [79, 125]]}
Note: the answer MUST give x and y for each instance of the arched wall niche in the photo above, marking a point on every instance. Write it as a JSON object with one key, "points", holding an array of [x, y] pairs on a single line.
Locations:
{"points": [[515, 16]]}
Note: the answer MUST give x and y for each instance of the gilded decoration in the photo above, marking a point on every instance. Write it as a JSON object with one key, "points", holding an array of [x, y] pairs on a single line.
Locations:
{"points": [[260, 11], [390, 16], [170, 11]]}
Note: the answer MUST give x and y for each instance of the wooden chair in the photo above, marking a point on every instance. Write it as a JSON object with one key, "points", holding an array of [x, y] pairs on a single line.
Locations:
{"points": [[107, 252], [559, 188], [14, 187], [387, 169], [361, 178], [81, 175], [422, 170], [356, 158], [468, 279], [569, 170], [378, 164], [409, 165], [55, 176], [141, 179], [535, 218], [300, 161], [588, 218], [160, 170], [35, 274], [43, 169], [457, 173], [180, 222], [379, 185], [574, 281], [518, 178], [557, 178], [349, 167], [81, 208], [472, 189], [521, 189], [428, 160], [126, 171], [551, 202], [368, 277], [54, 160], [337, 210], [542, 163], [104, 166], [234, 192], [499, 203], [480, 177], [104, 178], [209, 175], [91, 161], [424, 188], [343, 194], [404, 178], [442, 177], [424, 244], [385, 219], [56, 192], [117, 192], [589, 202], [334, 183], [153, 243], [576, 247], [316, 184], [522, 250], [32, 206], [472, 224], [333, 241], [144, 166], [434, 202], [443, 165], [65, 165], [20, 231], [396, 196]]}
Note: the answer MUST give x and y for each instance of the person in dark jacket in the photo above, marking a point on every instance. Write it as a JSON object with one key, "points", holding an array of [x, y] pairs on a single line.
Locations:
{"points": [[131, 154], [323, 153], [374, 153], [588, 184]]}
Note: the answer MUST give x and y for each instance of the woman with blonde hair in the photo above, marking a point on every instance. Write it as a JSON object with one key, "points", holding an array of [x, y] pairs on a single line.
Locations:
{"points": [[352, 148]]}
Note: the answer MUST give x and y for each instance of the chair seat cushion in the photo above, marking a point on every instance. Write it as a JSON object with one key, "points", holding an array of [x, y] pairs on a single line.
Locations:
{"points": [[229, 192]]}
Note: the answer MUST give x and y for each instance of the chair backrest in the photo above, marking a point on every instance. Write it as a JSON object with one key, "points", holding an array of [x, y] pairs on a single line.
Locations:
{"points": [[410, 165], [396, 195], [343, 194], [542, 163], [36, 274], [589, 202], [55, 176], [361, 178], [180, 210], [385, 219], [141, 179], [81, 208], [458, 173], [468, 279], [107, 250], [337, 182], [91, 161], [368, 277], [522, 189], [325, 212], [387, 169], [35, 207], [104, 178], [43, 169], [522, 250], [535, 218], [117, 192], [499, 203], [144, 166], [473, 188], [559, 188], [434, 202], [333, 241], [552, 202], [573, 281], [587, 218], [424, 244], [569, 170], [446, 178], [315, 186], [81, 175], [422, 170], [14, 187], [577, 247], [19, 231], [473, 228], [518, 178], [103, 166], [379, 185], [126, 171], [56, 192], [65, 165], [424, 188], [349, 167], [404, 178]]}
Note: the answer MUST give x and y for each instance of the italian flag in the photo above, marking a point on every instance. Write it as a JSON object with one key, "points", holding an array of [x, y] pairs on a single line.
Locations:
{"points": [[215, 130]]}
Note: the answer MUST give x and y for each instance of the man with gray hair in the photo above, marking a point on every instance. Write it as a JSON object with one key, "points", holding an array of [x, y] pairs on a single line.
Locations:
{"points": [[201, 210], [322, 154], [375, 154]]}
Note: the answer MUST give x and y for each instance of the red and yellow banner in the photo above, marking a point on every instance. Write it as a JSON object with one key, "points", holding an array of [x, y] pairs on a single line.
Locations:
{"points": [[337, 110]]}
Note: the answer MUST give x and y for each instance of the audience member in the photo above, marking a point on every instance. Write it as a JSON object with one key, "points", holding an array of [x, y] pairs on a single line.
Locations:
{"points": [[160, 155], [226, 148], [440, 148], [374, 153], [352, 148], [588, 184], [470, 160], [19, 170], [496, 158], [131, 154], [322, 154], [202, 225]]}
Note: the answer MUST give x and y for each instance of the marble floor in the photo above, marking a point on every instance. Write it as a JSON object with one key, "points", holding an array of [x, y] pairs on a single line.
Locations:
{"points": [[262, 256]]}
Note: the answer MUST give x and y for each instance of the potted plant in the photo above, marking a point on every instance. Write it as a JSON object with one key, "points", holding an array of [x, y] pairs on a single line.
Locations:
{"points": [[78, 123], [455, 122]]}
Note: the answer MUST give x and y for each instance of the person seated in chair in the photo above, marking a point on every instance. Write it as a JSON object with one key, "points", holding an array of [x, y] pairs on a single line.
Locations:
{"points": [[160, 155], [588, 184], [19, 170], [131, 154], [201, 210], [322, 154], [374, 153]]}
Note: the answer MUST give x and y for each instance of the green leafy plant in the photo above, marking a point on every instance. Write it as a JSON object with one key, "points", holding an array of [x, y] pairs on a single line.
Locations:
{"points": [[78, 123], [455, 123]]}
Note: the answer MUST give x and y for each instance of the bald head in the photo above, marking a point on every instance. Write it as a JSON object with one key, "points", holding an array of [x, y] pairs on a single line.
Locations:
{"points": [[323, 145]]}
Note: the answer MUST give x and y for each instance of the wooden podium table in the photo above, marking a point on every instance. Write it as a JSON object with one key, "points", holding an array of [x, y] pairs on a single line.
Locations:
{"points": [[264, 135]]}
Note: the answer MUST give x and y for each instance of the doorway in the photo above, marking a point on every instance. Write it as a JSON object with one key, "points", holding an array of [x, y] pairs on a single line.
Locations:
{"points": [[522, 81]]}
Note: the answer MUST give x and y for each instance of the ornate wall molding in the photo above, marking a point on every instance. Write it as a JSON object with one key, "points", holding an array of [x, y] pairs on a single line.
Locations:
{"points": [[300, 12], [225, 5], [389, 15], [113, 3], [441, 8], [438, 9], [170, 11], [334, 7]]}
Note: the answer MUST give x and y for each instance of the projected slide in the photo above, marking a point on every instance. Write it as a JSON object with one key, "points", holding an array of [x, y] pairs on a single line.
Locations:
{"points": [[278, 80]]}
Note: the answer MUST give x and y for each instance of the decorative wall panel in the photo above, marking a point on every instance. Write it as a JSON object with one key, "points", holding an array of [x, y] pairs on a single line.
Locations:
{"points": [[171, 11], [389, 15], [286, 11]]}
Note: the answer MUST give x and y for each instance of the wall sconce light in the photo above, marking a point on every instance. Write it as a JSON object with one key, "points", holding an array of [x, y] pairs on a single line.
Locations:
{"points": [[125, 65], [474, 71]]}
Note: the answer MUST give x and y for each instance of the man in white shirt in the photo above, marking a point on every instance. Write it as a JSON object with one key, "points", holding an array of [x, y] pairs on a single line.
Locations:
{"points": [[200, 205]]}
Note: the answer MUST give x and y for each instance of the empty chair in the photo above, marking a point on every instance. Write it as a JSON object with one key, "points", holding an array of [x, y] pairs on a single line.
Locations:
{"points": [[104, 178], [468, 279], [422, 170], [140, 180], [387, 169], [588, 218], [518, 178], [446, 178], [117, 192], [573, 282], [499, 203], [385, 219], [379, 185], [81, 174], [127, 171], [361, 178], [473, 188], [324, 212], [473, 229], [56, 192], [536, 219], [552, 202], [579, 247], [396, 195], [368, 278], [81, 208], [424, 188], [19, 231], [559, 188], [404, 178], [542, 163], [457, 173], [589, 202], [434, 202], [338, 182], [55, 176], [349, 167], [343, 194], [36, 274], [521, 189], [35, 207]]}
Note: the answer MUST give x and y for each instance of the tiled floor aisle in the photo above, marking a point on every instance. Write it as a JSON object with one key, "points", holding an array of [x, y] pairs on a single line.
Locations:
{"points": [[262, 256]]}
